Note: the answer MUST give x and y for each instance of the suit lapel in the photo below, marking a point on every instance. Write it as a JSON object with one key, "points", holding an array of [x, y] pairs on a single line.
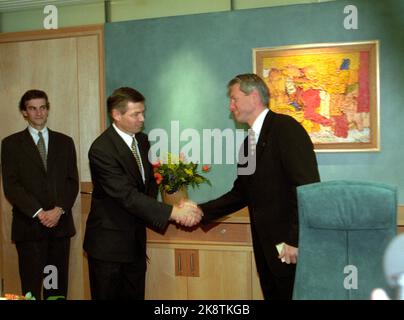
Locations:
{"points": [[30, 149], [143, 148], [125, 154], [52, 149]]}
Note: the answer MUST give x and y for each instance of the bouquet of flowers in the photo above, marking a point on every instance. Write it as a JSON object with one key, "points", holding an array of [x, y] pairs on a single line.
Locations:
{"points": [[12, 296], [175, 173]]}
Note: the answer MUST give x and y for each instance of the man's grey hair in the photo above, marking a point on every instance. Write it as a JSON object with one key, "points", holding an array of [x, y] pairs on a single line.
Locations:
{"points": [[248, 82]]}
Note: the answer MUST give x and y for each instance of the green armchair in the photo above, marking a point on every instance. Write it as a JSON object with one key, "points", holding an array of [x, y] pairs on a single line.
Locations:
{"points": [[344, 228]]}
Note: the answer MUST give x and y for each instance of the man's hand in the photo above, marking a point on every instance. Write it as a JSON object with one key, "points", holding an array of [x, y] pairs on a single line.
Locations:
{"points": [[289, 254], [187, 214], [50, 218]]}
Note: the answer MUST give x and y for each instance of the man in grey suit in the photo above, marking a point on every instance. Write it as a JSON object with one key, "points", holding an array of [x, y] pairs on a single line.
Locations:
{"points": [[40, 180], [284, 159], [123, 202]]}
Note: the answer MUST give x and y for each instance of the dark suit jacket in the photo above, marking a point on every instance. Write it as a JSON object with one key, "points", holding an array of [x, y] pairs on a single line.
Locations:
{"points": [[29, 187], [285, 160], [121, 204]]}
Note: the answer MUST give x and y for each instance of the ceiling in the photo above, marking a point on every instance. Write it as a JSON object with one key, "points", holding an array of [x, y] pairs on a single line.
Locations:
{"points": [[15, 5]]}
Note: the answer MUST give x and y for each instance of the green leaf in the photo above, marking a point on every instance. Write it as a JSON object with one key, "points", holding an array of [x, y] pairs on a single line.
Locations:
{"points": [[56, 298]]}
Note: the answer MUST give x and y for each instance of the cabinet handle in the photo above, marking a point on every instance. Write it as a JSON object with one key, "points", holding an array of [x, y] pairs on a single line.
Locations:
{"points": [[179, 263], [191, 262]]}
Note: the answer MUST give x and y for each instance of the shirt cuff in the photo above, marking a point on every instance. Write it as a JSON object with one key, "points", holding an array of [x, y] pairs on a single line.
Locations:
{"points": [[36, 213]]}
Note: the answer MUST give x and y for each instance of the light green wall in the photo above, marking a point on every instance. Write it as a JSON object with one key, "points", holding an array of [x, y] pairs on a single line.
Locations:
{"points": [[182, 64], [93, 13]]}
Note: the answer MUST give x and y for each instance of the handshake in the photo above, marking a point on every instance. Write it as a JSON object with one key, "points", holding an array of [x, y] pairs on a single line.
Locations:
{"points": [[187, 214]]}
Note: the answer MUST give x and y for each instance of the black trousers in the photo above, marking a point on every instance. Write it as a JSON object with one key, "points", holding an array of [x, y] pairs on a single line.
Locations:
{"points": [[273, 286], [116, 280], [44, 267]]}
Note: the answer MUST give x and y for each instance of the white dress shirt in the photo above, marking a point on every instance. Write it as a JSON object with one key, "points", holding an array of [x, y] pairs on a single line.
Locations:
{"points": [[35, 136], [257, 125], [127, 138]]}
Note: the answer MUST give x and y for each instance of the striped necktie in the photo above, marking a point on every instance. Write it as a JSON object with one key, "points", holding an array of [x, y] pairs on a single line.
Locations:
{"points": [[42, 148], [136, 155], [252, 141]]}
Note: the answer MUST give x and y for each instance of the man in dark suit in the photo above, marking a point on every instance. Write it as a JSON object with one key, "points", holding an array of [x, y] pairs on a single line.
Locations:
{"points": [[282, 159], [41, 182], [123, 202]]}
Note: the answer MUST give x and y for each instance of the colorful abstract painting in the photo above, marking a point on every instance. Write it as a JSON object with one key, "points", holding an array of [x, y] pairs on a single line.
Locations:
{"points": [[330, 91]]}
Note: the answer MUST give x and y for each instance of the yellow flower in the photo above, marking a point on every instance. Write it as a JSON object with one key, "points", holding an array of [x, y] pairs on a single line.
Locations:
{"points": [[175, 173]]}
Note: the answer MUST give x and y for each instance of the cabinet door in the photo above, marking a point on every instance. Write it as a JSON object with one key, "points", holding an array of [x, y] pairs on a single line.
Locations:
{"points": [[161, 281], [223, 275]]}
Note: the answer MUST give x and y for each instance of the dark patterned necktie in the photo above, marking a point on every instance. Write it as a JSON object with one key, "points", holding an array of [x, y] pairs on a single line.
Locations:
{"points": [[136, 155], [41, 148]]}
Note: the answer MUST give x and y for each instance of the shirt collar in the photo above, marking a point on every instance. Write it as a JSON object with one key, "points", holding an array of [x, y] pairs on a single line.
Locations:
{"points": [[125, 136], [34, 131], [257, 125]]}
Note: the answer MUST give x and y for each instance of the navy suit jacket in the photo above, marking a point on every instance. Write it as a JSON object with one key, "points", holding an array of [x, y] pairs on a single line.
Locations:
{"points": [[284, 160], [29, 187]]}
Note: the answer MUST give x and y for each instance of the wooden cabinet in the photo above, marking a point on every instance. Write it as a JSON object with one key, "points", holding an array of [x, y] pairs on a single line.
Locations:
{"points": [[161, 281], [212, 263], [222, 272]]}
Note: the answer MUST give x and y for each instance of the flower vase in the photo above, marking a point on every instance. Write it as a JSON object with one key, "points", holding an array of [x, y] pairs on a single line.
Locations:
{"points": [[175, 197]]}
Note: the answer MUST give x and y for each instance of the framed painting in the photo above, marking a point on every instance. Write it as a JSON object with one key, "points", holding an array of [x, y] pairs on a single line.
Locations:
{"points": [[332, 89]]}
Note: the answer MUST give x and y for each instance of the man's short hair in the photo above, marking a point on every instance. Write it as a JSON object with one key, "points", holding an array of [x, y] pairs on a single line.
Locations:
{"points": [[120, 97], [248, 82], [33, 94]]}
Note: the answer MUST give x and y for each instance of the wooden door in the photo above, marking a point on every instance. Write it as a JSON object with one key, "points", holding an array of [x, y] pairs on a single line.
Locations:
{"points": [[67, 65]]}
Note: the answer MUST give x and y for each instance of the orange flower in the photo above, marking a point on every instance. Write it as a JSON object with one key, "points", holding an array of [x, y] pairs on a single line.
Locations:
{"points": [[205, 168], [158, 177]]}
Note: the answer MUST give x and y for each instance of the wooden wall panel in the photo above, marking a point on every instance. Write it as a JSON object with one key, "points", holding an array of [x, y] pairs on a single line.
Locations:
{"points": [[49, 65], [66, 64], [85, 209], [92, 120]]}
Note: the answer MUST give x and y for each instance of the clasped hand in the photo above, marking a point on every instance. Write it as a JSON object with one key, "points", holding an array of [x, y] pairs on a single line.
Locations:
{"points": [[187, 213], [50, 218]]}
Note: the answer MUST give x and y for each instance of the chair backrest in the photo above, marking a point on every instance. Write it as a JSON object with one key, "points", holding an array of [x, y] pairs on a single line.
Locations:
{"points": [[344, 228]]}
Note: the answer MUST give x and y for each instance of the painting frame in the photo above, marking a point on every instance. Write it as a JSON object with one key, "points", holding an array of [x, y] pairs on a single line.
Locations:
{"points": [[349, 90]]}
